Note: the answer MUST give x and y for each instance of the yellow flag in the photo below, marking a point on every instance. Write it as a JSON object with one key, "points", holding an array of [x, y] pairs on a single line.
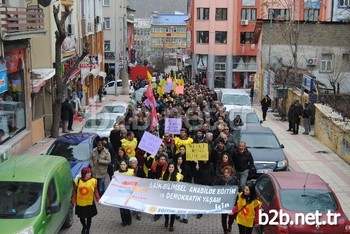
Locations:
{"points": [[149, 76]]}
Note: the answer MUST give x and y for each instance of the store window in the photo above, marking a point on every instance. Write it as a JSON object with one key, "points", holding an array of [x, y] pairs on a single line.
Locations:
{"points": [[12, 98]]}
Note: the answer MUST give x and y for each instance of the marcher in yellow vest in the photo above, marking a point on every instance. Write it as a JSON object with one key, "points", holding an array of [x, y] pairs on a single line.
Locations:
{"points": [[247, 208], [183, 139], [129, 144], [84, 192], [125, 214]]}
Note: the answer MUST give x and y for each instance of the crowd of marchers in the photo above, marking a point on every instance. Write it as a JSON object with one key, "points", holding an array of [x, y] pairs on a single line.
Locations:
{"points": [[204, 120]]}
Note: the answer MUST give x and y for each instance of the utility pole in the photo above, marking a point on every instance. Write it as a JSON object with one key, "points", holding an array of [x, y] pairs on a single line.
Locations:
{"points": [[116, 57], [270, 42], [125, 76]]}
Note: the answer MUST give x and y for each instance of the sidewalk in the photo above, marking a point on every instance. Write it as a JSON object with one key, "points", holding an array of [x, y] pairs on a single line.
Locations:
{"points": [[94, 108], [307, 153]]}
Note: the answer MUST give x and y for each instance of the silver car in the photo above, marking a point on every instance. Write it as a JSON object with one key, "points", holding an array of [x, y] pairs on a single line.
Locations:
{"points": [[101, 124]]}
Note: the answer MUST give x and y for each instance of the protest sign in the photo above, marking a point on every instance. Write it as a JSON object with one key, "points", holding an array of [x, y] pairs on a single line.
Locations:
{"points": [[179, 90], [169, 80], [150, 143], [168, 197], [172, 125], [169, 87], [197, 152]]}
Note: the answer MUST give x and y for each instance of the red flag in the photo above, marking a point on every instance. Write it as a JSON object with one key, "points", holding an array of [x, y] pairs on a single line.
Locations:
{"points": [[154, 118]]}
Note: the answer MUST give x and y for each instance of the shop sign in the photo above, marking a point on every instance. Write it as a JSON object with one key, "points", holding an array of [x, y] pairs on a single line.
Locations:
{"points": [[3, 78], [14, 60]]}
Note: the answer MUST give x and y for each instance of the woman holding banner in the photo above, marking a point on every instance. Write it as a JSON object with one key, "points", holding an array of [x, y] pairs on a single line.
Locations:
{"points": [[171, 175], [185, 171], [125, 213], [227, 179]]}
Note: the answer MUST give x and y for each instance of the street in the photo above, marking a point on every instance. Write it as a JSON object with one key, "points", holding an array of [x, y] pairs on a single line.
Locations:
{"points": [[305, 153]]}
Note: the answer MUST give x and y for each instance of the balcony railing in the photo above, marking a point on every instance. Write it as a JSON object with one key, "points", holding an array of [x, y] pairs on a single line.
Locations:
{"points": [[21, 19]]}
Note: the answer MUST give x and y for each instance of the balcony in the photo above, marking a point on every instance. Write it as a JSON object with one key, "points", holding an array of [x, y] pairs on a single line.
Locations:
{"points": [[21, 22]]}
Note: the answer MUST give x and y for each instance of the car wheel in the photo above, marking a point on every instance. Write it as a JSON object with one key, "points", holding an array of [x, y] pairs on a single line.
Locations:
{"points": [[69, 217]]}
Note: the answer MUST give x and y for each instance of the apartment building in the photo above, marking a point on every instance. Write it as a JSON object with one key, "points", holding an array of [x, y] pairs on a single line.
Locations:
{"points": [[222, 50], [20, 22], [168, 38], [142, 40]]}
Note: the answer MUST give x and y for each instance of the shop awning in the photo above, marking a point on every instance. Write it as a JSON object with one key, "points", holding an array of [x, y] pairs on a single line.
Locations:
{"points": [[73, 75], [103, 74], [95, 72], [40, 76]]}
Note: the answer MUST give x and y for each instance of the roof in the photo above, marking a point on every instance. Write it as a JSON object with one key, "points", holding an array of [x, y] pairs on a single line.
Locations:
{"points": [[26, 167], [293, 180], [257, 129], [75, 138], [169, 19]]}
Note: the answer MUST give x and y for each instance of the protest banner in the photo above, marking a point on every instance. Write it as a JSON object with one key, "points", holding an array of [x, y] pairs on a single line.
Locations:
{"points": [[150, 143], [168, 197], [179, 90], [172, 125], [197, 152]]}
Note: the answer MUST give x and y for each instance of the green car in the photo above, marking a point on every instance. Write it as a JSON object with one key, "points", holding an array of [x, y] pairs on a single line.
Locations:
{"points": [[35, 194]]}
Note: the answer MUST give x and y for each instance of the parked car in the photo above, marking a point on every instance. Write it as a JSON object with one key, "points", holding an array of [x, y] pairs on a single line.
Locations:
{"points": [[115, 109], [76, 148], [110, 87], [101, 124], [302, 193], [266, 150], [249, 117], [235, 99], [36, 193]]}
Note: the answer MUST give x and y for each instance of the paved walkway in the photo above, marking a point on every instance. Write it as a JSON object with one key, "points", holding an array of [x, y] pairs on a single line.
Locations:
{"points": [[306, 153]]}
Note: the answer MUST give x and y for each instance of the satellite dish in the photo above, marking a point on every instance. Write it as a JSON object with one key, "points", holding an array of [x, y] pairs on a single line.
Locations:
{"points": [[45, 3]]}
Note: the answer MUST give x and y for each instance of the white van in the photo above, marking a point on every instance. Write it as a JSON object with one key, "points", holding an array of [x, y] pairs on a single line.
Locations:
{"points": [[110, 87], [235, 99]]}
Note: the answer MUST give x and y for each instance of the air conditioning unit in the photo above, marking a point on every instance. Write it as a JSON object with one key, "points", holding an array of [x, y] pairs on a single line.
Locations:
{"points": [[311, 61], [90, 27], [244, 22]]}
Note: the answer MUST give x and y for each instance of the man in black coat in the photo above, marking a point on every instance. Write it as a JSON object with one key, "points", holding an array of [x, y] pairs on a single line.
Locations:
{"points": [[243, 161], [265, 104], [297, 114], [66, 112]]}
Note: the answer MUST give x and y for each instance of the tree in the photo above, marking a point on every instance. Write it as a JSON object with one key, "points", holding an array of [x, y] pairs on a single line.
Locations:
{"points": [[61, 80], [337, 74]]}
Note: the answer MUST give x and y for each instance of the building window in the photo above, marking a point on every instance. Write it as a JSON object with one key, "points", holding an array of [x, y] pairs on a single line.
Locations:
{"points": [[106, 3], [311, 15], [107, 45], [220, 67], [203, 37], [12, 104], [280, 14], [344, 3], [107, 21], [219, 81], [221, 37], [248, 14], [221, 14], [247, 37], [202, 13], [326, 63], [345, 57]]}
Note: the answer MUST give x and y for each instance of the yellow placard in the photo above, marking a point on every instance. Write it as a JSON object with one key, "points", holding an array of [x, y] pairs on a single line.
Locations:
{"points": [[85, 89], [197, 152]]}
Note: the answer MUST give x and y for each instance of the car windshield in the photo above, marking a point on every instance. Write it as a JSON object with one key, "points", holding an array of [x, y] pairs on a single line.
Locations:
{"points": [[246, 117], [80, 152], [255, 140], [233, 99], [308, 200], [20, 199], [99, 123], [113, 109]]}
